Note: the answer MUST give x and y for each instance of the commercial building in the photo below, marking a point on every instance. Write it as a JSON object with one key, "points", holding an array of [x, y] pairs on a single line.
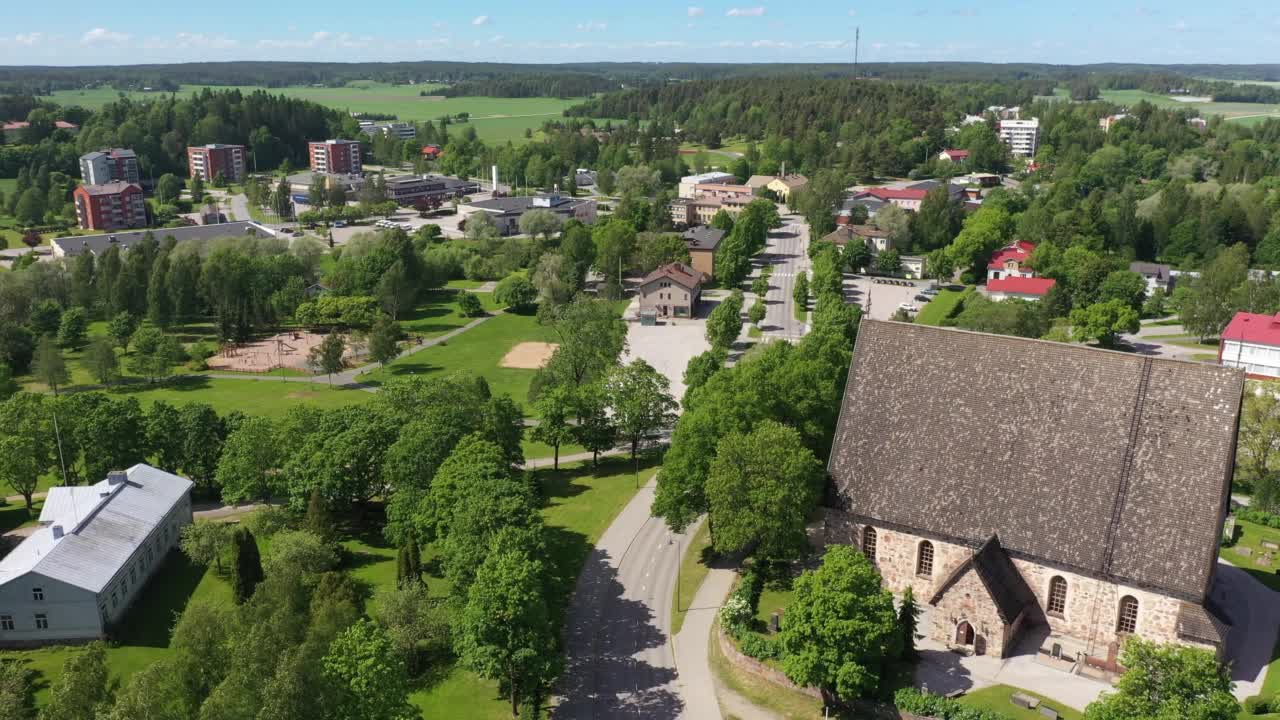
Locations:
{"points": [[104, 166], [1022, 136], [689, 184], [672, 290], [100, 244], [77, 574], [110, 206], [209, 161], [506, 211], [702, 242], [408, 189], [1016, 504], [402, 130], [341, 157], [1251, 342]]}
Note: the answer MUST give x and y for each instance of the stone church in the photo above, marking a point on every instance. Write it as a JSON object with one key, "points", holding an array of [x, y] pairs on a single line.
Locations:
{"points": [[1035, 492]]}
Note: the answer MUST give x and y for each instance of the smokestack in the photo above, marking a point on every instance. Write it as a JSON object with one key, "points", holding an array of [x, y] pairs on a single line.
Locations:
{"points": [[495, 178]]}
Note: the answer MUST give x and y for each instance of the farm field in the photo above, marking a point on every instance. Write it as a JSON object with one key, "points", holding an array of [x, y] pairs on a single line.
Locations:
{"points": [[1241, 112], [495, 119]]}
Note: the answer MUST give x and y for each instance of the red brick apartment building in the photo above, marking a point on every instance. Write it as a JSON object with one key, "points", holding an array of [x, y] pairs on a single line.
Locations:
{"points": [[208, 161], [335, 156], [111, 206]]}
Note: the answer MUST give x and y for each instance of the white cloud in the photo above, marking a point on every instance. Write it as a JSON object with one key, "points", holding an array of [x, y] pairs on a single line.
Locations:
{"points": [[497, 39], [319, 39], [593, 26], [481, 20], [663, 44], [696, 12], [29, 39], [103, 36], [746, 12], [775, 44], [732, 44]]}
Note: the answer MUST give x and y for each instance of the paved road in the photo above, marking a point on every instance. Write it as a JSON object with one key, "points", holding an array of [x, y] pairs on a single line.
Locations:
{"points": [[787, 251], [619, 659]]}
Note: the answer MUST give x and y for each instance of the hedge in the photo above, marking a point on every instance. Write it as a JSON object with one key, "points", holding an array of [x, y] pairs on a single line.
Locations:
{"points": [[1258, 517], [935, 706]]}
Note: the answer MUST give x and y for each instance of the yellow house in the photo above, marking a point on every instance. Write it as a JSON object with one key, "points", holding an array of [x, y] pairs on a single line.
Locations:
{"points": [[787, 184]]}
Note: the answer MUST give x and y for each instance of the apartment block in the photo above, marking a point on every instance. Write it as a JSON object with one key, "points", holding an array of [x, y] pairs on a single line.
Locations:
{"points": [[1022, 136], [106, 166], [335, 156], [110, 206], [208, 161]]}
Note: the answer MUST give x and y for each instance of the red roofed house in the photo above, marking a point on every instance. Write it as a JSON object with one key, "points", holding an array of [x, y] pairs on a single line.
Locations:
{"points": [[672, 290], [905, 198], [1251, 342], [954, 155], [431, 152], [13, 130], [1022, 288], [1010, 261]]}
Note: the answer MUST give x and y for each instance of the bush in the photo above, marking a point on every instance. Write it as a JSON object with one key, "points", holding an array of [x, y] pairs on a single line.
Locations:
{"points": [[1261, 704], [935, 706], [735, 614], [1258, 517], [270, 520], [758, 646]]}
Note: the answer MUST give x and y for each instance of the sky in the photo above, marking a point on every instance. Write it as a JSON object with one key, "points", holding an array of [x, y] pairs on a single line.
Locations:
{"points": [[90, 32]]}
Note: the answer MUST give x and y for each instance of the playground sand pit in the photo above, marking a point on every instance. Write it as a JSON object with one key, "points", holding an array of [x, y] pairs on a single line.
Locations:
{"points": [[528, 355], [288, 350]]}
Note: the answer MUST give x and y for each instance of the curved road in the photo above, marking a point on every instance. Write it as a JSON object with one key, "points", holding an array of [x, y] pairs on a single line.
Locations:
{"points": [[620, 662]]}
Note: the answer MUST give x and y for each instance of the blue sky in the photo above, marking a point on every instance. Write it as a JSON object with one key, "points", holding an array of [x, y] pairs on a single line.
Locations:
{"points": [[82, 32]]}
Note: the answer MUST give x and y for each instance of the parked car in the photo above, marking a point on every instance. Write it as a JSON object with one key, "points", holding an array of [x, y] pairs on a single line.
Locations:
{"points": [[922, 298], [909, 307], [340, 224]]}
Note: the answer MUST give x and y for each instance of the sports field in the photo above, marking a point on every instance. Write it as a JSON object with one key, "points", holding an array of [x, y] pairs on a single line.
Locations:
{"points": [[1238, 112], [495, 119]]}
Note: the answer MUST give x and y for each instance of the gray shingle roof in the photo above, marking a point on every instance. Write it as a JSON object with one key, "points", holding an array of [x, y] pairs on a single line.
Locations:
{"points": [[1104, 463], [703, 237], [100, 536]]}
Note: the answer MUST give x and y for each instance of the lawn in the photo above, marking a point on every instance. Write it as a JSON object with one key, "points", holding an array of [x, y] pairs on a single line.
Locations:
{"points": [[996, 699], [495, 119], [1247, 112], [781, 701], [944, 306], [1251, 535], [693, 570], [438, 313], [255, 397]]}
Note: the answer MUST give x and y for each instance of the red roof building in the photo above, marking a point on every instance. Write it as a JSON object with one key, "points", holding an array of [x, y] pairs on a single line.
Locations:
{"points": [[1024, 288], [905, 198], [1251, 342], [1010, 261], [954, 155], [431, 152]]}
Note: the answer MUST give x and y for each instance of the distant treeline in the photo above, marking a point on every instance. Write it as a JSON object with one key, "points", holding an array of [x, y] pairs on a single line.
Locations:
{"points": [[39, 80], [529, 86]]}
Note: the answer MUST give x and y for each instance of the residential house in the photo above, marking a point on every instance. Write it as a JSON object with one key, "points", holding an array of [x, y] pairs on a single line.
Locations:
{"points": [[100, 244], [114, 165], [1032, 489], [783, 186], [1107, 122], [431, 152], [688, 187], [1022, 136], [110, 206], [1011, 261], [90, 557], [759, 182], [341, 157], [954, 156], [1251, 342], [1157, 275], [876, 240], [506, 211], [216, 159], [702, 241], [869, 203], [730, 192], [672, 290], [582, 177], [13, 131], [1018, 287]]}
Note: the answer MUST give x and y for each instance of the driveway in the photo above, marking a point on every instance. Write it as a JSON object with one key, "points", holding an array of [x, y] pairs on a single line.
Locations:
{"points": [[667, 346], [619, 659]]}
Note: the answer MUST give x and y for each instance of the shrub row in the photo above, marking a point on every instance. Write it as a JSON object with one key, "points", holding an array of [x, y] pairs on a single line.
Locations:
{"points": [[1258, 517], [935, 706], [1262, 704]]}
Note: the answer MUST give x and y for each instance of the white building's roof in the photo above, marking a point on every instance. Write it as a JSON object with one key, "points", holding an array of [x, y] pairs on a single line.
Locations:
{"points": [[100, 526], [708, 177]]}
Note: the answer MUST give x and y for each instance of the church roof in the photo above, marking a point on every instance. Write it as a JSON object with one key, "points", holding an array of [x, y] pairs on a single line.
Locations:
{"points": [[1107, 464], [1002, 580]]}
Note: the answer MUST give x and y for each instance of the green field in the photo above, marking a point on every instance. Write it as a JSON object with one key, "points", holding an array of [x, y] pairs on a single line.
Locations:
{"points": [[495, 119], [1242, 112]]}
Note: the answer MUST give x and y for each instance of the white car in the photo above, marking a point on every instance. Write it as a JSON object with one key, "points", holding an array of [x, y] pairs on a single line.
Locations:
{"points": [[909, 307]]}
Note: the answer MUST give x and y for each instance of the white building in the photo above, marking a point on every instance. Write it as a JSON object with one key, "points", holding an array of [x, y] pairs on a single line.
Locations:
{"points": [[1157, 275], [1251, 342], [107, 166], [1022, 136], [96, 546], [402, 130], [689, 184]]}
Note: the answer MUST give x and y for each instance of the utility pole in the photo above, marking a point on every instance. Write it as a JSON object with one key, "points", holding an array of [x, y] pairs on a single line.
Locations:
{"points": [[857, 38]]}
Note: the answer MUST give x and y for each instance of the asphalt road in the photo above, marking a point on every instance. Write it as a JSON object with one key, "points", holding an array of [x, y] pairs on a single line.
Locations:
{"points": [[787, 250], [619, 658]]}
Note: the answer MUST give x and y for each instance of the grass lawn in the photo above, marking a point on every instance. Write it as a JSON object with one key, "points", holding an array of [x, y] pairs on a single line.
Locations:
{"points": [[255, 397], [942, 307], [693, 570], [1251, 535], [479, 350], [996, 699], [438, 313], [1244, 112], [14, 515], [782, 701], [1187, 341]]}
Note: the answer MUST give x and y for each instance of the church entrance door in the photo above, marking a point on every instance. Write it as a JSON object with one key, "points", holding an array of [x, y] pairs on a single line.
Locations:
{"points": [[964, 634]]}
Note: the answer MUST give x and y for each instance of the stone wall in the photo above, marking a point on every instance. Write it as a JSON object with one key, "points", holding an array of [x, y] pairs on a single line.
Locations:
{"points": [[755, 667], [967, 601]]}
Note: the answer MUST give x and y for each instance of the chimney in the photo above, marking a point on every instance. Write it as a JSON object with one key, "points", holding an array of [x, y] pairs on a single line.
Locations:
{"points": [[116, 477], [57, 532], [495, 178]]}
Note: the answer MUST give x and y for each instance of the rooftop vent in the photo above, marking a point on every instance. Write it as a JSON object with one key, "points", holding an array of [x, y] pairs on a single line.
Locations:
{"points": [[57, 532], [116, 477]]}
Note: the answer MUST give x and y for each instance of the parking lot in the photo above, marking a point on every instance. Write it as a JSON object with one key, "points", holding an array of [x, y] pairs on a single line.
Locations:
{"points": [[448, 223], [880, 300], [669, 345]]}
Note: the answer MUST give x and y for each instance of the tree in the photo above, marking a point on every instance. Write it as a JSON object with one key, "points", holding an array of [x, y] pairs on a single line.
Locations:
{"points": [[197, 190], [48, 365], [641, 401], [938, 221], [418, 626], [282, 199], [100, 358], [246, 565], [555, 408], [317, 520], [757, 312], [15, 691], [45, 317], [8, 386], [615, 243], [300, 552], [22, 462], [595, 430], [1104, 321], [908, 617], [800, 291], [469, 305], [327, 356], [1167, 681], [481, 227], [940, 266], [700, 369], [760, 286], [154, 354], [168, 188], [72, 328], [540, 222], [250, 456], [83, 690], [30, 207], [395, 289], [506, 632], [1207, 307], [516, 292], [761, 489], [318, 192], [204, 542], [1126, 286], [889, 262], [724, 324], [370, 676], [384, 339], [409, 562], [592, 336], [203, 434], [841, 627]]}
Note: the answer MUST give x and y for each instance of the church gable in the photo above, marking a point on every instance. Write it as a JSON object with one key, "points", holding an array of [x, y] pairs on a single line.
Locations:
{"points": [[990, 570]]}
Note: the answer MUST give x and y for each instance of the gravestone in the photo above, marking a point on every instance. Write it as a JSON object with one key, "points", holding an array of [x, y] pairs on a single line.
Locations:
{"points": [[1242, 550], [1049, 712], [1270, 545], [775, 622]]}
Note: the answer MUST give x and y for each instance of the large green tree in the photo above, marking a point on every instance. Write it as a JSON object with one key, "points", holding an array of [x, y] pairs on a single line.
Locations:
{"points": [[1164, 682], [724, 324], [641, 401], [371, 676]]}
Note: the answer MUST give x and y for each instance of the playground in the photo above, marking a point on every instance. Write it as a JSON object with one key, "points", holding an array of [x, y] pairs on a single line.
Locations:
{"points": [[285, 350]]}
